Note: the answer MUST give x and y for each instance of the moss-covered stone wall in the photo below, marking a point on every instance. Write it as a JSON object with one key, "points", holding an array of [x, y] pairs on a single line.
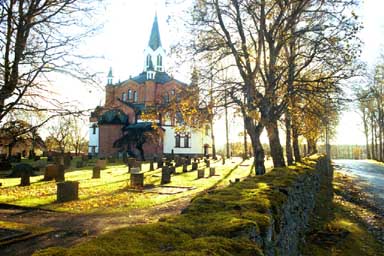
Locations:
{"points": [[262, 215]]}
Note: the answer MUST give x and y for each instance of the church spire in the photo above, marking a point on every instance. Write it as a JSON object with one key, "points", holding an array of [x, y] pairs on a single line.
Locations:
{"points": [[110, 77], [154, 39]]}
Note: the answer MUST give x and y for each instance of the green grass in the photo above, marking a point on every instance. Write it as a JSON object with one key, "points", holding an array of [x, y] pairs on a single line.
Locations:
{"points": [[111, 193]]}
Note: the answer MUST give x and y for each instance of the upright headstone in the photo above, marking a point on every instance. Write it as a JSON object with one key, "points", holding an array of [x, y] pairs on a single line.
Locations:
{"points": [[67, 191], [151, 168], [185, 168], [188, 160], [165, 175], [137, 179], [200, 173], [172, 169], [223, 160], [25, 179], [212, 171], [96, 172], [194, 166], [208, 163], [160, 163], [131, 163]]}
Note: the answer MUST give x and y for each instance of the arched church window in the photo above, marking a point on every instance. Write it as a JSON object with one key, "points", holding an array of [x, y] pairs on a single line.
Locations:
{"points": [[124, 96], [159, 62], [135, 97], [129, 94], [148, 60]]}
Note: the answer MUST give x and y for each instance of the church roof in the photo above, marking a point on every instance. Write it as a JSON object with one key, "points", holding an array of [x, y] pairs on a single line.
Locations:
{"points": [[154, 39], [160, 78]]}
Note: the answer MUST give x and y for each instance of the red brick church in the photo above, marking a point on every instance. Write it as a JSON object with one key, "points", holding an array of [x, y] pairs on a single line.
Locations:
{"points": [[125, 102]]}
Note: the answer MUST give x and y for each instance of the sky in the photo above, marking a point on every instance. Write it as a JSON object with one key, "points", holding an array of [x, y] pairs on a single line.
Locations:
{"points": [[121, 42]]}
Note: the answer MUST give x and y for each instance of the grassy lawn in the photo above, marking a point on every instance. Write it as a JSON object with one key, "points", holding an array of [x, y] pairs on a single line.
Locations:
{"points": [[111, 193]]}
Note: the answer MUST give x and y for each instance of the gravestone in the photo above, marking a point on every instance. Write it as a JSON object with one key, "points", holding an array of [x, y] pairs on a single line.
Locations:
{"points": [[172, 169], [223, 160], [200, 173], [160, 163], [19, 170], [79, 164], [51, 172], [111, 159], [25, 179], [194, 166], [212, 171], [185, 168], [165, 175], [208, 163], [137, 179], [188, 160], [179, 161], [151, 168], [96, 172], [131, 163], [67, 191], [5, 165]]}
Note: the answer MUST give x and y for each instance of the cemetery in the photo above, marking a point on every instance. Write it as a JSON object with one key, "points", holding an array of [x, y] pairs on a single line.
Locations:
{"points": [[98, 186]]}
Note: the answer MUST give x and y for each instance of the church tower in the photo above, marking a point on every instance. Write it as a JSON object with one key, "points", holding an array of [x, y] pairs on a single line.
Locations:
{"points": [[154, 53]]}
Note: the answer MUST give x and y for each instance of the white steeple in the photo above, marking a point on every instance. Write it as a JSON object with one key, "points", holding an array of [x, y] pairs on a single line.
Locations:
{"points": [[154, 53]]}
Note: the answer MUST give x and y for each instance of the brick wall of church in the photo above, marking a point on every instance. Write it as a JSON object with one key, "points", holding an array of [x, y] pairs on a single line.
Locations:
{"points": [[108, 135]]}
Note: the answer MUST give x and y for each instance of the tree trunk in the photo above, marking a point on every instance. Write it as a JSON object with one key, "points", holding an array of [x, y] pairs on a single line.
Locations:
{"points": [[372, 138], [245, 156], [295, 144], [312, 147], [366, 131], [254, 133], [288, 144], [275, 145], [213, 142]]}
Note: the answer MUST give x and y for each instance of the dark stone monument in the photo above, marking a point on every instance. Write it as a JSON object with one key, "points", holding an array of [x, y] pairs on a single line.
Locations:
{"points": [[200, 173], [131, 163], [79, 164], [185, 168], [160, 163], [5, 165], [20, 169], [172, 169], [223, 160], [25, 179], [188, 160], [96, 172], [212, 171], [165, 175], [151, 168], [67, 191], [208, 163], [137, 180], [194, 166]]}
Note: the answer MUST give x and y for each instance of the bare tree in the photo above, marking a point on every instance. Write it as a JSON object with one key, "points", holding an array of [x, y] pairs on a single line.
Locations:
{"points": [[269, 43], [38, 37]]}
